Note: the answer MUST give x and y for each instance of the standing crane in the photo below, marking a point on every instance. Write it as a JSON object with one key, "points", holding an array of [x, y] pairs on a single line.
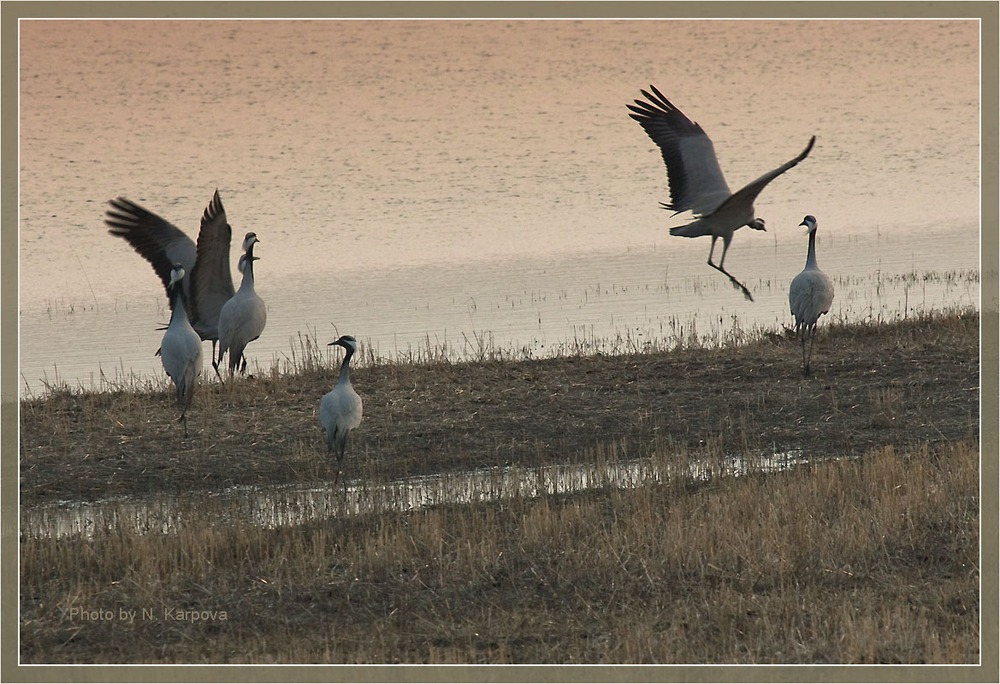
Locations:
{"points": [[180, 349], [243, 317], [340, 409], [809, 296], [696, 181]]}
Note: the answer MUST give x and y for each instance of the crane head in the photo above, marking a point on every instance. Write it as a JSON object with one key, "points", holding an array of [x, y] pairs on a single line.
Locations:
{"points": [[176, 275], [249, 241], [347, 342]]}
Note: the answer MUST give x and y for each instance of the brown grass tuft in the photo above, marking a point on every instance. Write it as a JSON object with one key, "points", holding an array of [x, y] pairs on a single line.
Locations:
{"points": [[867, 560]]}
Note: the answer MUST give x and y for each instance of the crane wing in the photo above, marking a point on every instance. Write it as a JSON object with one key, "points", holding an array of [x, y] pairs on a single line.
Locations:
{"points": [[159, 242], [696, 181], [746, 195], [211, 279]]}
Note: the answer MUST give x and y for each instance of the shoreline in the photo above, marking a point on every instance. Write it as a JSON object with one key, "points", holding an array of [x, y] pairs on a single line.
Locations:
{"points": [[900, 383]]}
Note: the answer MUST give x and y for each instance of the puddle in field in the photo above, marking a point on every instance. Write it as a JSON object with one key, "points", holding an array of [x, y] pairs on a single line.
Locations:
{"points": [[289, 506]]}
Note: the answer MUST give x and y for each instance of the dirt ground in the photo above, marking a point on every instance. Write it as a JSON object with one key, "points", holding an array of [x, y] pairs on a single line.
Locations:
{"points": [[905, 383], [866, 560]]}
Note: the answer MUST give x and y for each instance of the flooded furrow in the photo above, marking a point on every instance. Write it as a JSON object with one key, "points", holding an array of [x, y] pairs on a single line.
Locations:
{"points": [[289, 506]]}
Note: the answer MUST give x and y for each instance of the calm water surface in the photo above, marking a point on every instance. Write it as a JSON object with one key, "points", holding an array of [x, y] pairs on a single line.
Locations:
{"points": [[455, 184]]}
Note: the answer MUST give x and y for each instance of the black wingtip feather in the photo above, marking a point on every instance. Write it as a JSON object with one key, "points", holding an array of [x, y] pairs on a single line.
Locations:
{"points": [[214, 207], [663, 101]]}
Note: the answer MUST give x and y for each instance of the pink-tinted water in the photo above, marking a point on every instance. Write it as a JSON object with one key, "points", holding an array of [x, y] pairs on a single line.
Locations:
{"points": [[454, 181]]}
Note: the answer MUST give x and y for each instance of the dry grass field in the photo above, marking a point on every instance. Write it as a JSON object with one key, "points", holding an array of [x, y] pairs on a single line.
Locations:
{"points": [[869, 554]]}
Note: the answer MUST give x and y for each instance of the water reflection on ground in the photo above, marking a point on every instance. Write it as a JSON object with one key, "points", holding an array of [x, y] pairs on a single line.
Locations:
{"points": [[288, 506]]}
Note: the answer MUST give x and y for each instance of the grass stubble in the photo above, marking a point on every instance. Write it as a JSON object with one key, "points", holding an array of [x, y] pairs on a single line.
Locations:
{"points": [[867, 559]]}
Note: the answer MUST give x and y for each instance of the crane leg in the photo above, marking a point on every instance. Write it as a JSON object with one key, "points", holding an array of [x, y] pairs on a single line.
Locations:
{"points": [[215, 364], [802, 341], [807, 354], [812, 340], [341, 448], [340, 468], [721, 269], [341, 451], [736, 284], [217, 361], [234, 363]]}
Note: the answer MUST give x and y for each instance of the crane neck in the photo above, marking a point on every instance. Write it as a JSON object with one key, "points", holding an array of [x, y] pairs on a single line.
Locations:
{"points": [[177, 298], [345, 367], [247, 282], [811, 255]]}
